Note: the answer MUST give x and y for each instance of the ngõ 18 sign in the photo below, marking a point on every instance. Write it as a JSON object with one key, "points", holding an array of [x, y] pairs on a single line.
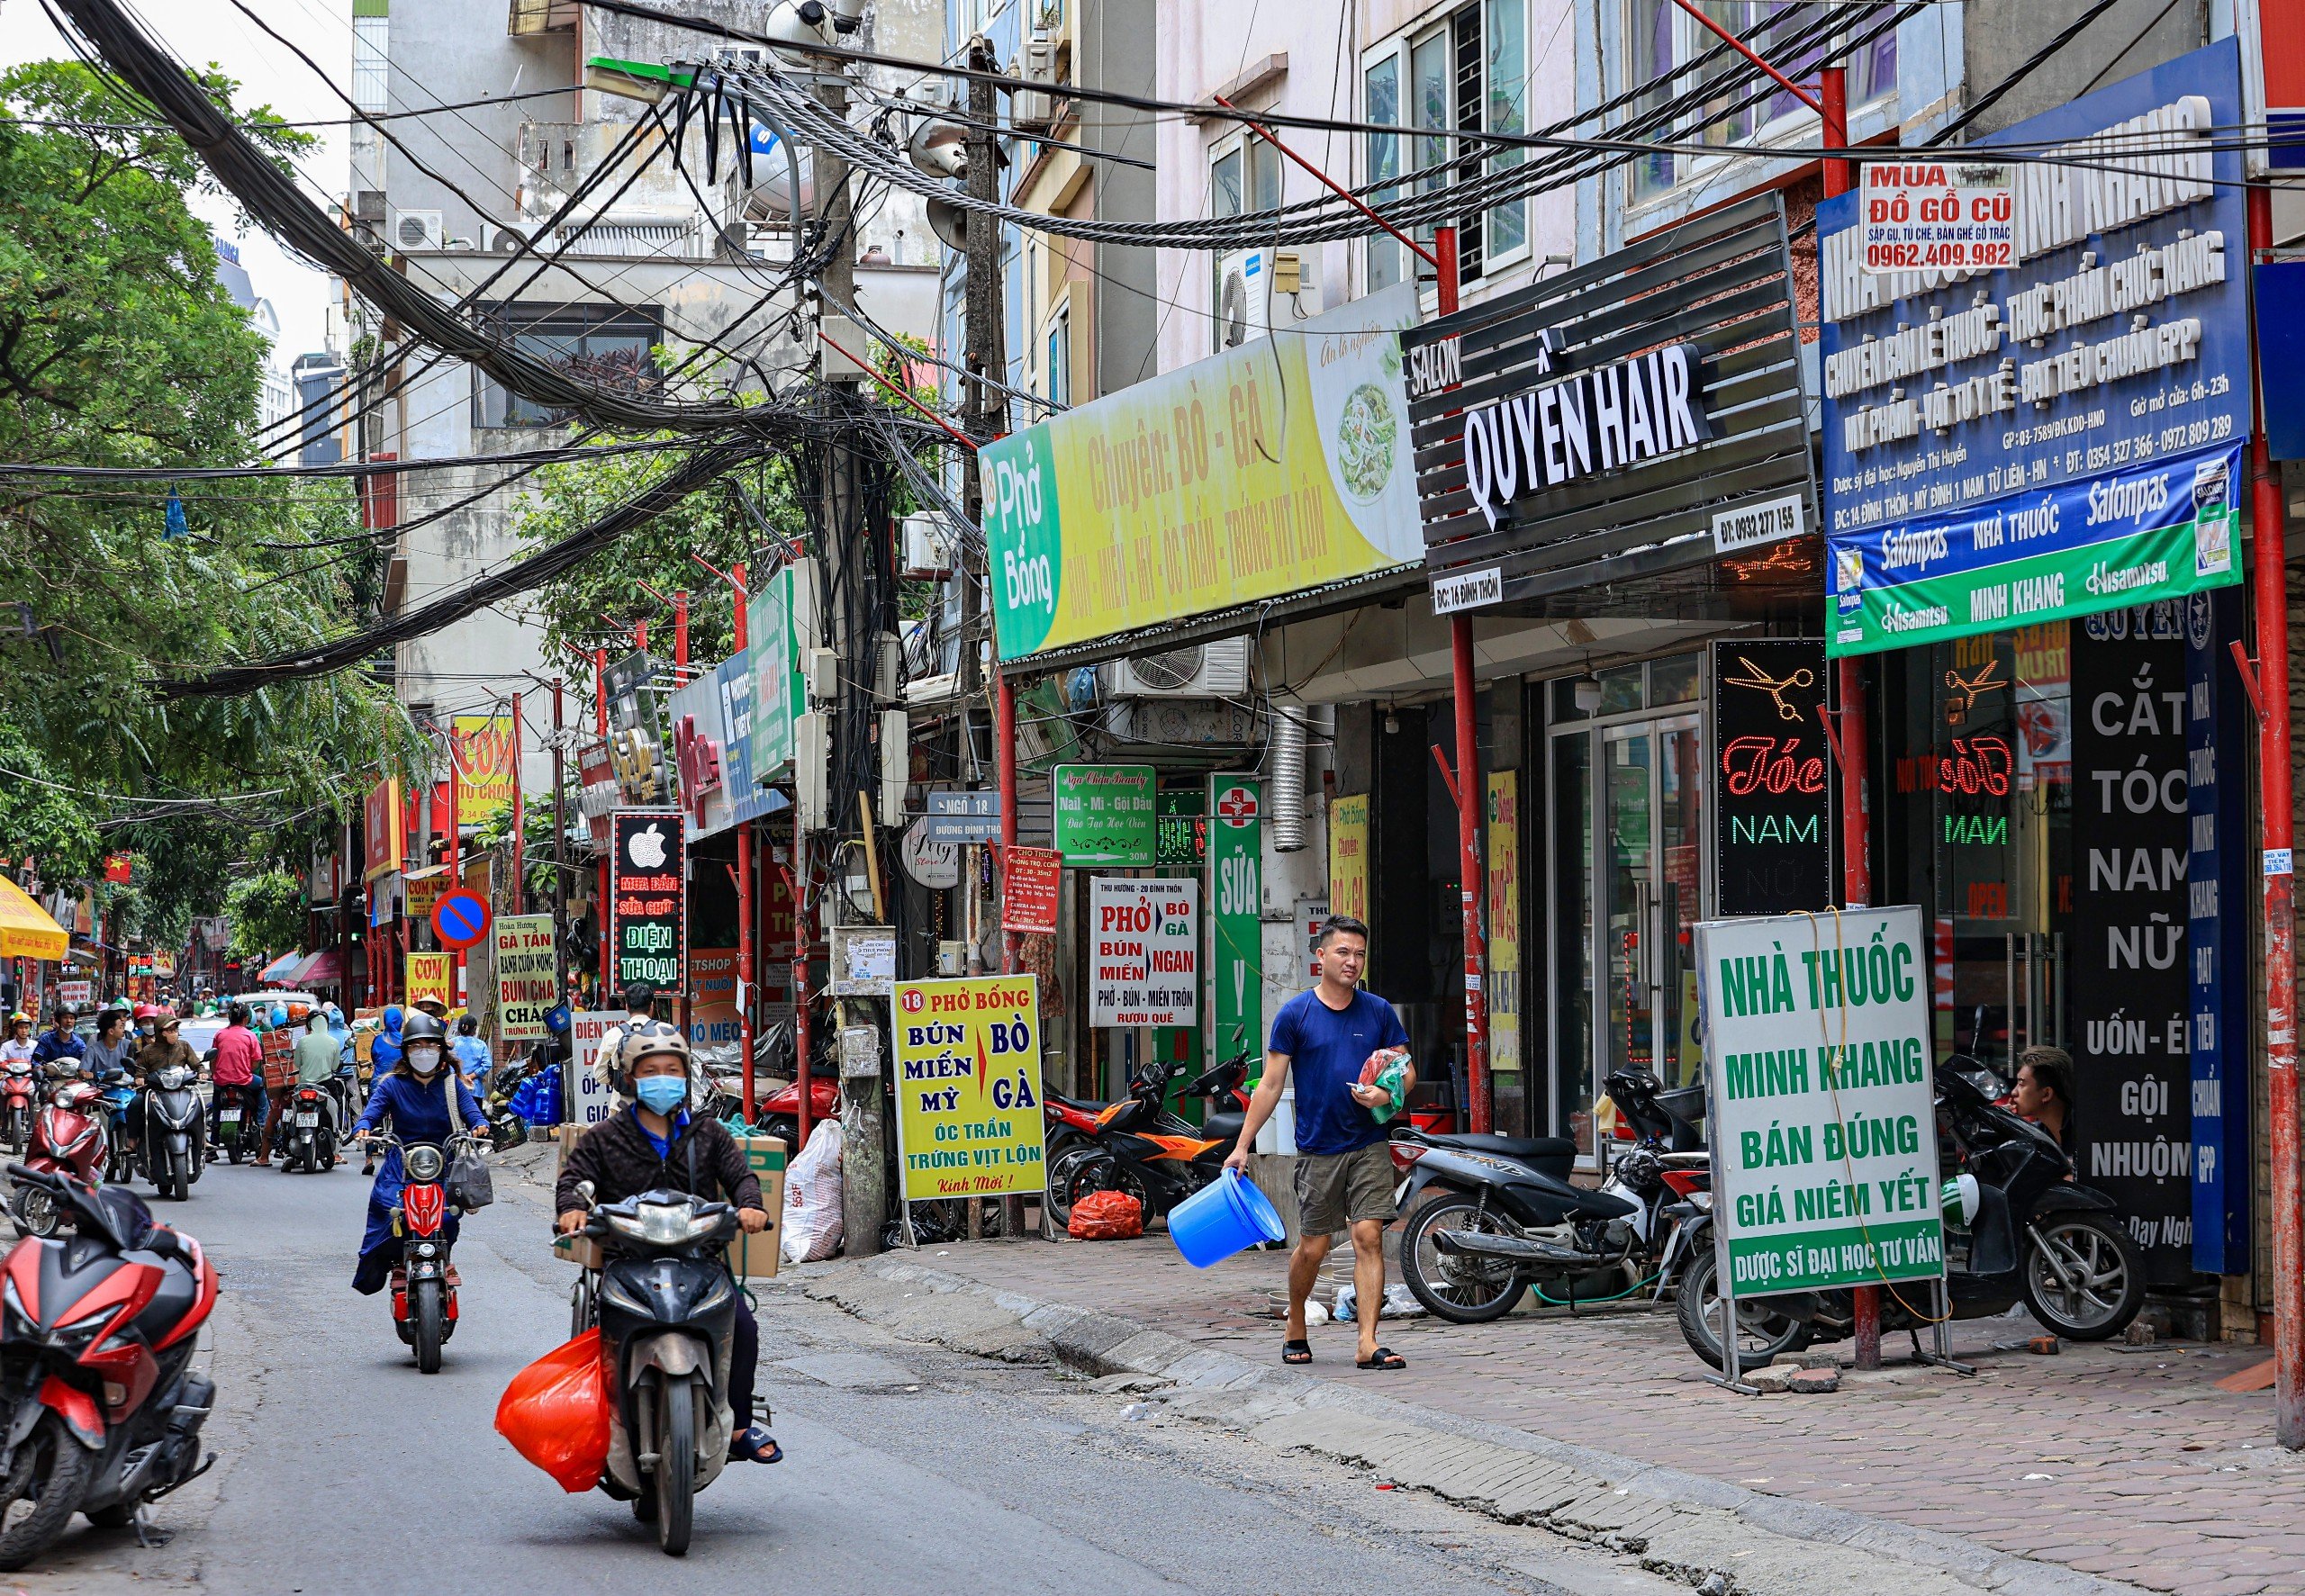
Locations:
{"points": [[1938, 216]]}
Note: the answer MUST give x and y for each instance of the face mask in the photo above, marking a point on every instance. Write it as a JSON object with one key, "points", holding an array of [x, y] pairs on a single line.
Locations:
{"points": [[424, 1058], [661, 1094]]}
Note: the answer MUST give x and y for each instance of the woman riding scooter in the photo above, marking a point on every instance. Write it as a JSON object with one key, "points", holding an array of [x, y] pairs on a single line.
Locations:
{"points": [[416, 1099]]}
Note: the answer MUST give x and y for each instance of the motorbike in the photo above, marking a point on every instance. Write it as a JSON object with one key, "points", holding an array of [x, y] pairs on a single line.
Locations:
{"points": [[506, 1129], [237, 1129], [97, 1340], [1505, 1216], [1138, 1147], [779, 1114], [666, 1309], [68, 1138], [424, 1282], [20, 1094], [2037, 1236], [308, 1130], [173, 1138], [120, 1097]]}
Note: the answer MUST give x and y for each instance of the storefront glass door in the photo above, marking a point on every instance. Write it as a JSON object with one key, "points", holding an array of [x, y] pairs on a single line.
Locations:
{"points": [[1651, 896]]}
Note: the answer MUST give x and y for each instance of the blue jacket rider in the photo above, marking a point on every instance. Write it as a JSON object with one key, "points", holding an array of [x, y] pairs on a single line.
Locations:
{"points": [[415, 1097]]}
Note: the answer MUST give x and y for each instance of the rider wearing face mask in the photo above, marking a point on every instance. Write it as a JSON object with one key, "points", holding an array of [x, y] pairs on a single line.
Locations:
{"points": [[423, 1102]]}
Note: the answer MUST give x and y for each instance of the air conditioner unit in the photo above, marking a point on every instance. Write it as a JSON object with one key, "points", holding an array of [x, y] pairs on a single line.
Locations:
{"points": [[416, 232], [927, 547], [504, 240], [1177, 723], [1033, 109], [1260, 289], [1218, 670]]}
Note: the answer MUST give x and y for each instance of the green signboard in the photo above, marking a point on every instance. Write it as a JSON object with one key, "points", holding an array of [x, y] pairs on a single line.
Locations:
{"points": [[777, 694], [1105, 815], [1182, 833], [1236, 916]]}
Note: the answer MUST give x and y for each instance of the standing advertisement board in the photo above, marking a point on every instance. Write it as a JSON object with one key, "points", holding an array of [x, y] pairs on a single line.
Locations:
{"points": [[589, 1097], [967, 1058], [1348, 855], [525, 989], [648, 899], [1821, 1100], [1144, 952]]}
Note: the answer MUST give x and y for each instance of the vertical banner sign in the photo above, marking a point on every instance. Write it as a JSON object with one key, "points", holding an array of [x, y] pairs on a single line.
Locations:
{"points": [[1181, 836], [1144, 952], [768, 624], [712, 1018], [1823, 1118], [484, 752], [1773, 814], [589, 1096], [968, 1084], [432, 975], [380, 832], [2217, 931], [525, 990], [1105, 815], [2129, 988], [1028, 884], [1348, 855], [1505, 921], [1237, 901], [647, 899]]}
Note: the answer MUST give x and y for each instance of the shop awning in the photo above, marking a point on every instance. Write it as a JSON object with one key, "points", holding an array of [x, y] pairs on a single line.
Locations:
{"points": [[279, 969], [27, 930], [323, 968]]}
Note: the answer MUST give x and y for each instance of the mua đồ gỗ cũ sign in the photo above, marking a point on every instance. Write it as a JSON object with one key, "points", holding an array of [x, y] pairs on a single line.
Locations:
{"points": [[1822, 1100]]}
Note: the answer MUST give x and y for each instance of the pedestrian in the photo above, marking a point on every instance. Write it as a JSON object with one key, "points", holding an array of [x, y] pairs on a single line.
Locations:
{"points": [[639, 1010], [59, 1051], [236, 1076], [2044, 1093], [1344, 1176], [474, 1059]]}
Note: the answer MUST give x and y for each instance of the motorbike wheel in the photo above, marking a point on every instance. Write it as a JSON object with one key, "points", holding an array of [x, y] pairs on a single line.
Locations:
{"points": [[1461, 1290], [20, 1130], [1062, 1169], [428, 1313], [1761, 1333], [676, 1462], [42, 1492], [34, 1212], [583, 1312], [2108, 1276], [233, 1148]]}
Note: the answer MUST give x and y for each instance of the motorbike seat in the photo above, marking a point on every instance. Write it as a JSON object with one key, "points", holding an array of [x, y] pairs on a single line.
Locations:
{"points": [[1077, 1104], [1527, 1149]]}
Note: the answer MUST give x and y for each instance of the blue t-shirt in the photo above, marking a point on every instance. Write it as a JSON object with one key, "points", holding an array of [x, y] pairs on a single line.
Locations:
{"points": [[1326, 1048]]}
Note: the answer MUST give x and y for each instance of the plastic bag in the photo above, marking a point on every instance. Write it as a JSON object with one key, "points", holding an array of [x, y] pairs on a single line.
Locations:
{"points": [[1383, 1069], [555, 1414], [1106, 1216], [812, 1197]]}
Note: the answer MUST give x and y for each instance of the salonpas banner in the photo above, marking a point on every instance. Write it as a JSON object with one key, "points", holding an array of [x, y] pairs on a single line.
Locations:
{"points": [[1272, 468], [2158, 531]]}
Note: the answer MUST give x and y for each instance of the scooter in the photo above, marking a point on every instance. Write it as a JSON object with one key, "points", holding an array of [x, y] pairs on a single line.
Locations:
{"points": [[96, 1347], [120, 1104], [173, 1142], [424, 1283], [1138, 1147], [780, 1114], [308, 1130], [69, 1138], [2025, 1231], [20, 1097], [666, 1308]]}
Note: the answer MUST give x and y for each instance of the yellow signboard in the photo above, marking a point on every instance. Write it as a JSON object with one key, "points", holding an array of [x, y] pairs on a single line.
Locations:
{"points": [[968, 1082], [1349, 856], [487, 759], [432, 975], [1279, 466]]}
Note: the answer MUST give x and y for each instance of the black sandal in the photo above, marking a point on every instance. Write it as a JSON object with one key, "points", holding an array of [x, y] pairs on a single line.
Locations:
{"points": [[1298, 1351], [1384, 1357]]}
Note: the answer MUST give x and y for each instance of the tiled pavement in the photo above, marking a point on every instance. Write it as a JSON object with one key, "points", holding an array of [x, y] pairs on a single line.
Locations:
{"points": [[2127, 1463]]}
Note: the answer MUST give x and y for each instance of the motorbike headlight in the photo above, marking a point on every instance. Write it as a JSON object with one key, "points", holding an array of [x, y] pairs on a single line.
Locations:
{"points": [[423, 1163], [1703, 1200], [426, 1250], [12, 1310], [662, 1224]]}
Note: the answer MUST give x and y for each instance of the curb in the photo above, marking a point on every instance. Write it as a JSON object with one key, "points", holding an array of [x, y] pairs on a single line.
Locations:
{"points": [[1678, 1522]]}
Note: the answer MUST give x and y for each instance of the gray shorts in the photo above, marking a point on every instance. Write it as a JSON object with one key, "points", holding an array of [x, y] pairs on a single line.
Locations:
{"points": [[1337, 1190]]}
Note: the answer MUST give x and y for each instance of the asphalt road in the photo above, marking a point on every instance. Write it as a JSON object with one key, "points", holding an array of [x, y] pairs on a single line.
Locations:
{"points": [[909, 1468]]}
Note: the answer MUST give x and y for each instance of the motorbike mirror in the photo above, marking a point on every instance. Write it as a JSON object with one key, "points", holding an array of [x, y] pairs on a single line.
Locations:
{"points": [[584, 1189]]}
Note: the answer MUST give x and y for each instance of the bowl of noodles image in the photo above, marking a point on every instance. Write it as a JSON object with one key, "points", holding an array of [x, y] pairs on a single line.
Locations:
{"points": [[1368, 435]]}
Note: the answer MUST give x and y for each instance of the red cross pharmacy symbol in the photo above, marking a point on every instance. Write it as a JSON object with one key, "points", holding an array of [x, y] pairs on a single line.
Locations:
{"points": [[1238, 807]]}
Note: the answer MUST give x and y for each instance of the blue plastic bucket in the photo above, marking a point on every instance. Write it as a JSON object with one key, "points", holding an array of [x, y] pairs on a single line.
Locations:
{"points": [[1218, 1221]]}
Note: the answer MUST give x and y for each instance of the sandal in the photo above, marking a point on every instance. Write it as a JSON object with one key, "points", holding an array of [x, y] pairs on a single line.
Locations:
{"points": [[1384, 1357], [1298, 1351], [755, 1445]]}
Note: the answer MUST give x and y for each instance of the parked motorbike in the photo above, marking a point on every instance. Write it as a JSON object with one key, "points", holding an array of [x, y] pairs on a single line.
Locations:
{"points": [[2038, 1236], [20, 1094], [308, 1130], [779, 1114], [1138, 1146], [96, 1339], [666, 1309], [1506, 1217], [68, 1138], [424, 1282], [506, 1129], [173, 1138]]}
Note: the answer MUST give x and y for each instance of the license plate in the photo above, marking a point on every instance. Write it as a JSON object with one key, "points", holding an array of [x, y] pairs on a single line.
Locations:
{"points": [[308, 1119], [232, 1116]]}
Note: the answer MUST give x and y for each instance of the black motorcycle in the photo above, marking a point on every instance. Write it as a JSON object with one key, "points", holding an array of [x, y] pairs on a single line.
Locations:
{"points": [[308, 1130], [666, 1308], [2038, 1236], [1138, 1146], [172, 1133]]}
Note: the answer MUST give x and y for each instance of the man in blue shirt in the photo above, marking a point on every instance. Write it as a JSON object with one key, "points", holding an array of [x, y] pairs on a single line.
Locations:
{"points": [[1344, 1175]]}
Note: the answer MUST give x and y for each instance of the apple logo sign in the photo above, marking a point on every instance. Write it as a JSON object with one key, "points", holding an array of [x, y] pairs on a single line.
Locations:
{"points": [[647, 848]]}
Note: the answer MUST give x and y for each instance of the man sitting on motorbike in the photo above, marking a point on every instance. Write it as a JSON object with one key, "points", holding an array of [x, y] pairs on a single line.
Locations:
{"points": [[316, 1060], [425, 1101], [18, 1047], [114, 1050], [166, 1047], [59, 1053], [655, 1145]]}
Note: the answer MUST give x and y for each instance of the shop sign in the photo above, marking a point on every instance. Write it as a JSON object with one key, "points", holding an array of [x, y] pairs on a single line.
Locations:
{"points": [[773, 658], [79, 994], [484, 762], [648, 898], [1236, 897], [1273, 467], [967, 1058], [2120, 337], [2130, 995], [527, 979], [2129, 537], [1144, 952], [1180, 834], [1348, 855], [744, 793], [381, 829], [2217, 932], [1773, 793], [632, 694], [1937, 215], [1105, 815], [713, 1020], [420, 892], [590, 1097], [958, 816], [1029, 877], [1567, 428], [1822, 1095], [596, 794], [934, 865], [1504, 999], [432, 975], [712, 747]]}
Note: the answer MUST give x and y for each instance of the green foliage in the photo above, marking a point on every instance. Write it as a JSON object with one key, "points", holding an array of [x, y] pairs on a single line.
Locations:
{"points": [[536, 832], [268, 914]]}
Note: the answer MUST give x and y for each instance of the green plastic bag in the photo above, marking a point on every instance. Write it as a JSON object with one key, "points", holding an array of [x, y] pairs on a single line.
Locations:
{"points": [[1387, 1075]]}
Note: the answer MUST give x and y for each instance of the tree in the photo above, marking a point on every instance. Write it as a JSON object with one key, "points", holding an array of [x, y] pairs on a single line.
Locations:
{"points": [[267, 912]]}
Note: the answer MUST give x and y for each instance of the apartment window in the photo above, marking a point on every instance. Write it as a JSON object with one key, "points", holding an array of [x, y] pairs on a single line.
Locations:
{"points": [[1666, 44], [1467, 74], [1060, 358], [1244, 177], [607, 345]]}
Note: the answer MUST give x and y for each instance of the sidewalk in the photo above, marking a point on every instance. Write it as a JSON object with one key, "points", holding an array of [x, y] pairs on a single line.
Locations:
{"points": [[2125, 1463]]}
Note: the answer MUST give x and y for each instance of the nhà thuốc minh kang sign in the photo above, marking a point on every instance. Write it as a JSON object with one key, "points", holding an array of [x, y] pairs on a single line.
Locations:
{"points": [[1822, 1100]]}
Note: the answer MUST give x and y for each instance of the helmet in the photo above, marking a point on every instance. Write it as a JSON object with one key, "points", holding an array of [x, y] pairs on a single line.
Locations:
{"points": [[422, 1027], [144, 1011], [643, 1042], [279, 1013]]}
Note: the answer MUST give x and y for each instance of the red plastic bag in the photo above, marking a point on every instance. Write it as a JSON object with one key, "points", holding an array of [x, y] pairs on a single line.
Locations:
{"points": [[1106, 1216], [555, 1414]]}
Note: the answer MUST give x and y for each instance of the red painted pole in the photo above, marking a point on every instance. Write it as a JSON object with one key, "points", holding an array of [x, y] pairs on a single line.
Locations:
{"points": [[680, 637], [2268, 565], [455, 868], [745, 979], [795, 887], [519, 819]]}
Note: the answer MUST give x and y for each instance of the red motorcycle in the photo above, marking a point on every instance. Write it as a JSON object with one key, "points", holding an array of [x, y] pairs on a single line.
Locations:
{"points": [[68, 1138], [779, 1115], [18, 1101], [96, 1339], [424, 1283]]}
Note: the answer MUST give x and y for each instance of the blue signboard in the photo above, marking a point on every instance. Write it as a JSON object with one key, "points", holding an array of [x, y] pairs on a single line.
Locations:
{"points": [[2217, 932], [2121, 338], [748, 798]]}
